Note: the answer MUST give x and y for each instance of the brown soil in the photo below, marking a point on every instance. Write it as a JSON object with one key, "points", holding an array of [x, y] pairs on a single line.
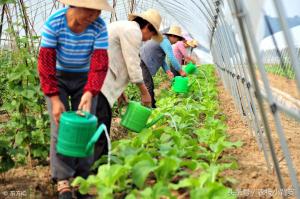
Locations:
{"points": [[287, 85], [3, 118], [117, 131], [35, 183], [25, 182], [254, 178]]}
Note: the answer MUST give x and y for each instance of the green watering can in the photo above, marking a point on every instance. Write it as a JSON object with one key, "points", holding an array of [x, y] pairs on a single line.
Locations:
{"points": [[136, 117], [181, 84], [190, 68], [77, 134]]}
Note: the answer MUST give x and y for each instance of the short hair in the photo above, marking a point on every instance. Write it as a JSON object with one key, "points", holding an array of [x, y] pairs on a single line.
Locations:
{"points": [[143, 23]]}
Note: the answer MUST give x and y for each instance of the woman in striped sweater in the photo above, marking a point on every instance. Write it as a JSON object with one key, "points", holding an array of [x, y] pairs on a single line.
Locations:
{"points": [[72, 65]]}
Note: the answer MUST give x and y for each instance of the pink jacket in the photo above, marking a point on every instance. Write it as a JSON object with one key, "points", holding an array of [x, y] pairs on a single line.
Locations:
{"points": [[180, 51]]}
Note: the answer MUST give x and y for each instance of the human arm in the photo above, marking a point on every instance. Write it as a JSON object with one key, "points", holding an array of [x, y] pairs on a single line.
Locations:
{"points": [[131, 41], [96, 76], [122, 99], [47, 70], [145, 96], [98, 70], [167, 70], [182, 50], [189, 59], [167, 48]]}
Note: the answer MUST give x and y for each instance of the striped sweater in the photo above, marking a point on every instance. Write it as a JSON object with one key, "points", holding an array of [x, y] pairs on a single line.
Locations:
{"points": [[62, 49], [73, 51]]}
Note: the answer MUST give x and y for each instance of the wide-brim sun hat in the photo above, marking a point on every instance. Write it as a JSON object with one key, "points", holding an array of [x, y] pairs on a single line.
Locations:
{"points": [[188, 40], [176, 31], [193, 43], [153, 17], [92, 4]]}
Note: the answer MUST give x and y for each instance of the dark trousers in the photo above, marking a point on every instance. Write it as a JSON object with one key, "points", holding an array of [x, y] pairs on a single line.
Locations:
{"points": [[104, 115], [148, 80], [175, 72], [70, 92]]}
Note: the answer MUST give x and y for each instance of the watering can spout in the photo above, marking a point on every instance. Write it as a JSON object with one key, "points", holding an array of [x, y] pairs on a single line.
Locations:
{"points": [[154, 121]]}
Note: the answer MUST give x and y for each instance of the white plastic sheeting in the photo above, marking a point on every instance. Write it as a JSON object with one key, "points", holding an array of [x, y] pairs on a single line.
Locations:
{"points": [[188, 14], [255, 10], [268, 43], [195, 16]]}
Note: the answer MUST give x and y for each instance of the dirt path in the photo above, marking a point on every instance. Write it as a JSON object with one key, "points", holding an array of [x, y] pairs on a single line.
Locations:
{"points": [[286, 85], [253, 175]]}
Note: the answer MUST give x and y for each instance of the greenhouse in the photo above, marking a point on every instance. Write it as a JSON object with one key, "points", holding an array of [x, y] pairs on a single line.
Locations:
{"points": [[149, 99]]}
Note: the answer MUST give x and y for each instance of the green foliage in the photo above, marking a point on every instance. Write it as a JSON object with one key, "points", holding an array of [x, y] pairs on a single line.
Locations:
{"points": [[26, 133], [285, 71], [185, 150], [132, 92], [2, 2]]}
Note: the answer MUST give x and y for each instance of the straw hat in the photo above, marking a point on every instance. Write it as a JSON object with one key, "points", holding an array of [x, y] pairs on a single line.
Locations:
{"points": [[153, 17], [193, 43], [175, 30], [92, 4]]}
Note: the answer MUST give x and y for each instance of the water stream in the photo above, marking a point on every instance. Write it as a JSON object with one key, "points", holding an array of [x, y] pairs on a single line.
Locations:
{"points": [[173, 121]]}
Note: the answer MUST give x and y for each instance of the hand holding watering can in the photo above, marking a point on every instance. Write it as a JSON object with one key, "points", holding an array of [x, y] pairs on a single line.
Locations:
{"points": [[190, 68], [181, 84], [78, 134], [136, 117]]}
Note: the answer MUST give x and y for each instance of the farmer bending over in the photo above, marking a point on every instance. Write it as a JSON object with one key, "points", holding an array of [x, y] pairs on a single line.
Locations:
{"points": [[125, 40], [153, 55], [181, 50], [72, 65]]}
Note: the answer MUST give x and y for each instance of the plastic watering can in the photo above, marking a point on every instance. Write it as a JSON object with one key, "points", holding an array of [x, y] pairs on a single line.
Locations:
{"points": [[190, 68], [181, 84], [136, 117], [77, 134]]}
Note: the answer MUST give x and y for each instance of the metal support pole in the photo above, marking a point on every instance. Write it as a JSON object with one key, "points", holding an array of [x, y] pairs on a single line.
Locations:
{"points": [[239, 13], [288, 37], [258, 135], [279, 128]]}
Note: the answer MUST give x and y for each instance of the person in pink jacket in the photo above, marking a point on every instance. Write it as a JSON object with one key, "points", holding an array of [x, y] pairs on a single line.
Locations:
{"points": [[181, 52]]}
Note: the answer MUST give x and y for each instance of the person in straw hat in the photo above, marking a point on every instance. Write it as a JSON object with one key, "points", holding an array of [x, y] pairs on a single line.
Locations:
{"points": [[153, 55], [193, 44], [125, 40], [181, 52], [72, 65]]}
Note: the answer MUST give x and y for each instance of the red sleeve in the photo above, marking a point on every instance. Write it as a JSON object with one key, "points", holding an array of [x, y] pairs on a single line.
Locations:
{"points": [[47, 71], [98, 70]]}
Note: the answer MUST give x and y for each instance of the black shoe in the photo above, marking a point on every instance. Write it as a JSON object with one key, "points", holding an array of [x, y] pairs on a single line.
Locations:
{"points": [[65, 195]]}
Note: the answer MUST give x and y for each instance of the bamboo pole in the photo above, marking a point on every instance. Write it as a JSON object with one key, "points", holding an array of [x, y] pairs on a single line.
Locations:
{"points": [[2, 19]]}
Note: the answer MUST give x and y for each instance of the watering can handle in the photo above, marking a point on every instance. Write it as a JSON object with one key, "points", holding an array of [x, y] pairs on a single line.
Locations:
{"points": [[95, 137], [154, 121], [172, 80], [120, 110]]}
